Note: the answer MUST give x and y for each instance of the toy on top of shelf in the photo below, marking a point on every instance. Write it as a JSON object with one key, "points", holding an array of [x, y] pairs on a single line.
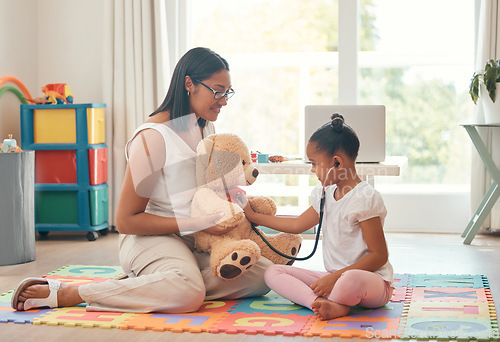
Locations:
{"points": [[10, 145], [15, 91], [55, 93], [20, 84]]}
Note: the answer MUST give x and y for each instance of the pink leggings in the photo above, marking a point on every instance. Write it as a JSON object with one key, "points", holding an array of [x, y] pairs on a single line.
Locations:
{"points": [[353, 287]]}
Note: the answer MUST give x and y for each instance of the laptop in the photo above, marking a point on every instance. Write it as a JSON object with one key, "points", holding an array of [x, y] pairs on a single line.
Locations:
{"points": [[368, 121]]}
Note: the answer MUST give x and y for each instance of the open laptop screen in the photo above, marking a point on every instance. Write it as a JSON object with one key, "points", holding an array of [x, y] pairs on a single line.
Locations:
{"points": [[368, 121]]}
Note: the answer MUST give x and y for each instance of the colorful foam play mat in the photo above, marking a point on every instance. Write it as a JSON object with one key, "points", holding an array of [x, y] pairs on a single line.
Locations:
{"points": [[423, 307]]}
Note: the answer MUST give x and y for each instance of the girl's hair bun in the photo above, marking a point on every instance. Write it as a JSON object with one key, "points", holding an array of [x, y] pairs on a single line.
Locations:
{"points": [[337, 122], [336, 136]]}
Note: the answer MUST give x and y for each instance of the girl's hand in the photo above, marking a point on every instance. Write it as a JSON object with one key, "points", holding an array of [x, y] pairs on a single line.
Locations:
{"points": [[323, 286], [242, 201]]}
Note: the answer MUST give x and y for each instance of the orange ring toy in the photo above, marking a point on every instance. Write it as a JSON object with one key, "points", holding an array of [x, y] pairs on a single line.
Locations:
{"points": [[20, 84]]}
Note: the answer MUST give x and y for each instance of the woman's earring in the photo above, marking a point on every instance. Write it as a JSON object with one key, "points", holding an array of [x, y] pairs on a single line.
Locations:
{"points": [[188, 93]]}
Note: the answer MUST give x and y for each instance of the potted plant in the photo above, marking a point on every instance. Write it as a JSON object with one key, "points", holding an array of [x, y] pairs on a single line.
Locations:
{"points": [[486, 82]]}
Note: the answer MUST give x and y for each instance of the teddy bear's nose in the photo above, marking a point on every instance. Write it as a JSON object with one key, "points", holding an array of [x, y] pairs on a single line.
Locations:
{"points": [[255, 173]]}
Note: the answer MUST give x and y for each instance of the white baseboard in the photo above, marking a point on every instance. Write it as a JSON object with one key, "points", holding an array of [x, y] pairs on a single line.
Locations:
{"points": [[443, 212]]}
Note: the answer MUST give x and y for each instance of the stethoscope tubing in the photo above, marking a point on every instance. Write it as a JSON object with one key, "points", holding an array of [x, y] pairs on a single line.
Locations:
{"points": [[321, 209]]}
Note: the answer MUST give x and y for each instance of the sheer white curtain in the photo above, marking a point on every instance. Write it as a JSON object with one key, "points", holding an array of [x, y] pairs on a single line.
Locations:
{"points": [[487, 46], [137, 73]]}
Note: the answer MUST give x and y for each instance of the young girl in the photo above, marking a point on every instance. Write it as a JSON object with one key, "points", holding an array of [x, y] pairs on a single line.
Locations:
{"points": [[354, 248]]}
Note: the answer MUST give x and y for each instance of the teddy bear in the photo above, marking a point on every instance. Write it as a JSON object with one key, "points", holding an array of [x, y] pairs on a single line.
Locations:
{"points": [[223, 164]]}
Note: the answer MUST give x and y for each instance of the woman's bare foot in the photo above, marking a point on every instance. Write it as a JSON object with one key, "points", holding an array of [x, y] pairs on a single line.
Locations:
{"points": [[66, 296], [325, 309]]}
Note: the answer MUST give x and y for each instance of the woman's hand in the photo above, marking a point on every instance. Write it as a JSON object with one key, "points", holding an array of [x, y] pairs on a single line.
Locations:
{"points": [[323, 286], [218, 230], [207, 223]]}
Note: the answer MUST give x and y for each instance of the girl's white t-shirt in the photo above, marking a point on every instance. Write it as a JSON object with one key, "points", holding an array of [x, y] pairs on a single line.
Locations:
{"points": [[176, 185], [343, 242]]}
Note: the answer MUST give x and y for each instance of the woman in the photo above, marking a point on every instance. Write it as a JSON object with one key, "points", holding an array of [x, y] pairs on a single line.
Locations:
{"points": [[163, 271]]}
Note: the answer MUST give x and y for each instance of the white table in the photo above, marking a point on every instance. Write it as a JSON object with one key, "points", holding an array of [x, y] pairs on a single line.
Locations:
{"points": [[367, 171]]}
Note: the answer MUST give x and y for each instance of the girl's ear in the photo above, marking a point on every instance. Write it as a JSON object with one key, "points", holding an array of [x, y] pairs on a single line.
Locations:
{"points": [[188, 84], [337, 162]]}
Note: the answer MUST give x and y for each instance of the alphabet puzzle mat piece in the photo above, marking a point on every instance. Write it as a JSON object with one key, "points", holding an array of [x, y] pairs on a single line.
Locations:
{"points": [[401, 279], [78, 316], [400, 294], [7, 314], [6, 297], [448, 280], [451, 309], [349, 327], [391, 310], [216, 306], [192, 322], [449, 328], [71, 280], [269, 305], [267, 324], [89, 271], [450, 294]]}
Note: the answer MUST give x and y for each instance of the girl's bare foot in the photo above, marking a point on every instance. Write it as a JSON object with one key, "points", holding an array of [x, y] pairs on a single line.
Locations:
{"points": [[325, 309], [66, 296]]}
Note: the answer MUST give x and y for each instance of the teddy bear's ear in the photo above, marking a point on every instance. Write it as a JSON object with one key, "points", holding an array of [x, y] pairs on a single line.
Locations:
{"points": [[205, 147], [204, 151]]}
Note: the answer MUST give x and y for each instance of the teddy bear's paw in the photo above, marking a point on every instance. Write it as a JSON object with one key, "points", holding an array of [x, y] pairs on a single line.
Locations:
{"points": [[288, 244], [236, 263], [294, 253], [263, 205], [294, 247]]}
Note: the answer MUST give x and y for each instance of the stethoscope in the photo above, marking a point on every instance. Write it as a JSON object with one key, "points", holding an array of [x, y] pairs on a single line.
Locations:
{"points": [[321, 210]]}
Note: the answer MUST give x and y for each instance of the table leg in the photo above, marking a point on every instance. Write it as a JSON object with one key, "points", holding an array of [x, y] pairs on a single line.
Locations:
{"points": [[483, 212], [484, 154], [478, 211], [491, 195]]}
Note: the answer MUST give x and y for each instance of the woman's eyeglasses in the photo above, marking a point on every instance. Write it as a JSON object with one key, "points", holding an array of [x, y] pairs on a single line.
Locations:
{"points": [[218, 95]]}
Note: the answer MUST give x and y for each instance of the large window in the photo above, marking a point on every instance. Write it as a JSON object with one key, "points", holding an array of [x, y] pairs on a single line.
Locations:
{"points": [[415, 57], [418, 62], [280, 58]]}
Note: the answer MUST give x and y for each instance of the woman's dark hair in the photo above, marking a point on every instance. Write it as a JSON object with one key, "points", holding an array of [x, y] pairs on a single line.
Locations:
{"points": [[199, 63], [336, 135]]}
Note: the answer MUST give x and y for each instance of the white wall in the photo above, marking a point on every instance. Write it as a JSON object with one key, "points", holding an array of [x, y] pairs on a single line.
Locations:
{"points": [[18, 56], [441, 212], [51, 41], [70, 34]]}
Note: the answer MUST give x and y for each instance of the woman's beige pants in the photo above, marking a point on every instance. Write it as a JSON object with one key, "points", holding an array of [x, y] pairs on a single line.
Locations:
{"points": [[165, 274]]}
